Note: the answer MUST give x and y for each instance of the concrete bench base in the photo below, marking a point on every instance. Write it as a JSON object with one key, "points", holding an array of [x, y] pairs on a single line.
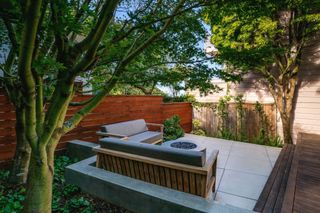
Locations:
{"points": [[136, 195], [80, 149]]}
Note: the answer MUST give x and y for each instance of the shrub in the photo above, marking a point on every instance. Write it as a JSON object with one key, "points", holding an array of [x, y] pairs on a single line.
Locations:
{"points": [[182, 98], [197, 128], [172, 128]]}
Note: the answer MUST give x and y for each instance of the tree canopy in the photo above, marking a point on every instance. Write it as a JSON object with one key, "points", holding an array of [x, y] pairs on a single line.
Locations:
{"points": [[251, 34], [177, 59], [265, 37]]}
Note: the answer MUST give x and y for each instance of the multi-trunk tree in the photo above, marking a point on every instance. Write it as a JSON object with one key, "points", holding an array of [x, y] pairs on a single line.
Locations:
{"points": [[266, 37], [50, 43]]}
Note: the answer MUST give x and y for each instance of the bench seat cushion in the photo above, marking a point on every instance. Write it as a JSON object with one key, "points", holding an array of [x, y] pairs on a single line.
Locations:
{"points": [[127, 128], [146, 137], [193, 158]]}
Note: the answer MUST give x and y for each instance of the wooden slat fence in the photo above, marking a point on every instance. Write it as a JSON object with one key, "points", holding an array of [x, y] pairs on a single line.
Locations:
{"points": [[248, 125], [112, 109]]}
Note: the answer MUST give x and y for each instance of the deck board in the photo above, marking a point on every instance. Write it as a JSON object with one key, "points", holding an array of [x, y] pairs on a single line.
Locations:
{"points": [[294, 183], [307, 194]]}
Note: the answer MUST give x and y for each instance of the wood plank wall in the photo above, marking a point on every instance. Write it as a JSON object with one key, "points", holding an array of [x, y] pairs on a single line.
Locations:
{"points": [[112, 109], [250, 122]]}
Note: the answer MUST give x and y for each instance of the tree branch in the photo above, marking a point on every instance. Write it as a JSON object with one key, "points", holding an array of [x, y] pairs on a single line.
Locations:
{"points": [[126, 34], [28, 37], [97, 32], [91, 42], [59, 39], [95, 101], [78, 16], [39, 104], [11, 34], [139, 49], [81, 103], [64, 90]]}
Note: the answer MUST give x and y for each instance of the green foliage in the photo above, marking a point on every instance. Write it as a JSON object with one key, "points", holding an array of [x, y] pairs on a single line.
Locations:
{"points": [[199, 105], [247, 33], [66, 198], [174, 60], [69, 199], [222, 111], [225, 133], [241, 134], [222, 106], [182, 98], [172, 128], [11, 197], [264, 137], [223, 114], [125, 89], [275, 141], [243, 33], [197, 130]]}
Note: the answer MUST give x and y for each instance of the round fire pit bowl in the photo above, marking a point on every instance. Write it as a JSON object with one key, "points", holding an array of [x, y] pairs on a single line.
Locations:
{"points": [[185, 145]]}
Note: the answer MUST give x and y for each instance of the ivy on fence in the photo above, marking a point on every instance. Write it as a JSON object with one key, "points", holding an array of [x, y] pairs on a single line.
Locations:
{"points": [[234, 119]]}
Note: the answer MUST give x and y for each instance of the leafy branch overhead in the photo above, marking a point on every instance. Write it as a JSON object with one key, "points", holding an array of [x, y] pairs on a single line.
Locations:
{"points": [[175, 59], [48, 44]]}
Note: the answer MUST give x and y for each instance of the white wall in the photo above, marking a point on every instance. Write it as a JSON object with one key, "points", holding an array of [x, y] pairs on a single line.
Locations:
{"points": [[307, 109], [251, 89]]}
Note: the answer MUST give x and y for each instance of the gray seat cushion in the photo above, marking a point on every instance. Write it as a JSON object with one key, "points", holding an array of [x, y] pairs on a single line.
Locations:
{"points": [[193, 158], [146, 137], [127, 128]]}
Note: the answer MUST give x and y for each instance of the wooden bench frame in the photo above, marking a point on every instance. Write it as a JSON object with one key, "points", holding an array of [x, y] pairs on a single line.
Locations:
{"points": [[125, 137], [190, 179]]}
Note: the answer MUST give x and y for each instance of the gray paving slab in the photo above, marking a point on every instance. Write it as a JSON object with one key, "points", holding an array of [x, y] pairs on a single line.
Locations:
{"points": [[235, 200], [242, 184], [250, 165], [243, 169]]}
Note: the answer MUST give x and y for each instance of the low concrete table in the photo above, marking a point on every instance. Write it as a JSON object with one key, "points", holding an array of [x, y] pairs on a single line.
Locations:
{"points": [[185, 144]]}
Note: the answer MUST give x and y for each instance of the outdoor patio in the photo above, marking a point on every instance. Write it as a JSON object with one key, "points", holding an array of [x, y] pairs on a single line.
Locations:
{"points": [[243, 169]]}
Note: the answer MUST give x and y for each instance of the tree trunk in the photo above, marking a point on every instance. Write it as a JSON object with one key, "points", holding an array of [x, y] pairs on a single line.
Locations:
{"points": [[39, 184], [286, 128], [19, 170], [284, 103]]}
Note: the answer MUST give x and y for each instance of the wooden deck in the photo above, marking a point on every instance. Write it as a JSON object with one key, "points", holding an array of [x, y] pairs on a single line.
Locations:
{"points": [[294, 183]]}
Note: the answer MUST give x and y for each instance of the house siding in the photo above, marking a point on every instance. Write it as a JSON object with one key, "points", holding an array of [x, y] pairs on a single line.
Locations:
{"points": [[307, 101], [251, 88]]}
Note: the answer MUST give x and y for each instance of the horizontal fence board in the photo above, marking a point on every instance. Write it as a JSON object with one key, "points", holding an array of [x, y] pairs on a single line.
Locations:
{"points": [[112, 109]]}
